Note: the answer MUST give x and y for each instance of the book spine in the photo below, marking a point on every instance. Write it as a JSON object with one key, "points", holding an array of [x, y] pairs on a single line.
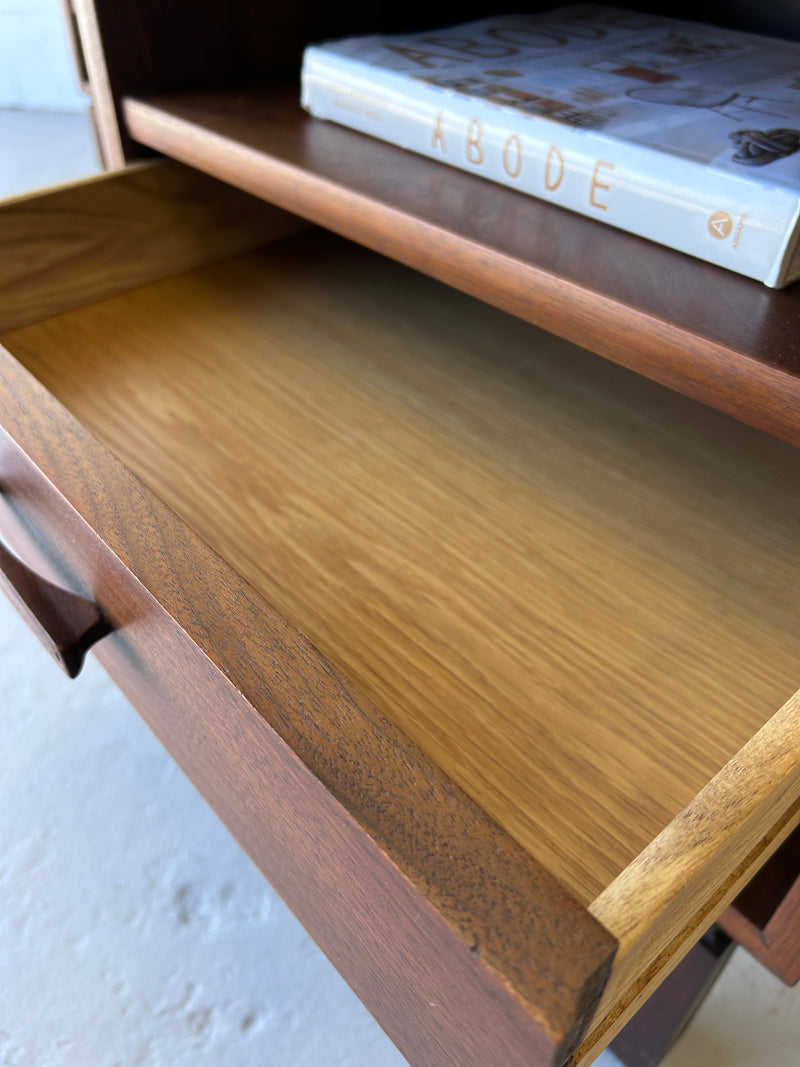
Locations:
{"points": [[732, 221]]}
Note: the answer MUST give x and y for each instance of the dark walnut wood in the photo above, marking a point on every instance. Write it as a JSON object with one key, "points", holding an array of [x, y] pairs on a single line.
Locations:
{"points": [[765, 918], [483, 960], [81, 242], [148, 46], [704, 331], [286, 404], [657, 1026], [66, 624]]}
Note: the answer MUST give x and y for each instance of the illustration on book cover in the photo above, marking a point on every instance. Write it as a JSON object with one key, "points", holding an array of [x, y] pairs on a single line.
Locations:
{"points": [[697, 72]]}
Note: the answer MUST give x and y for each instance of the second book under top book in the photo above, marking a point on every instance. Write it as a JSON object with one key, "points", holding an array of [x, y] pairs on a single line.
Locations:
{"points": [[679, 132]]}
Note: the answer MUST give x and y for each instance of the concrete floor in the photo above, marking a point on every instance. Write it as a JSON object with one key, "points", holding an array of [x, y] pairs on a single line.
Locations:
{"points": [[133, 931]]}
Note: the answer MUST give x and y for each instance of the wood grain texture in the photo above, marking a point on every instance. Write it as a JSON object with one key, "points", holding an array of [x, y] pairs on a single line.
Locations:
{"points": [[87, 240], [765, 917], [480, 959], [570, 587], [657, 1025], [720, 338], [695, 868]]}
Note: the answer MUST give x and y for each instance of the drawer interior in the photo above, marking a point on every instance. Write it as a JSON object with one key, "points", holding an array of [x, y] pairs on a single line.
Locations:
{"points": [[572, 587]]}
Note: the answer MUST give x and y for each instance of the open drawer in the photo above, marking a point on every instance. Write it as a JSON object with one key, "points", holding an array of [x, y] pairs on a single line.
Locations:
{"points": [[484, 648]]}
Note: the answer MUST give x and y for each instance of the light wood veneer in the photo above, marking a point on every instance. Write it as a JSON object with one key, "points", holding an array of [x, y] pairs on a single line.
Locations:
{"points": [[570, 587]]}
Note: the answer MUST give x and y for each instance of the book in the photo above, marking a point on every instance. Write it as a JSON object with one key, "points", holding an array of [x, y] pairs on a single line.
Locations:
{"points": [[682, 133]]}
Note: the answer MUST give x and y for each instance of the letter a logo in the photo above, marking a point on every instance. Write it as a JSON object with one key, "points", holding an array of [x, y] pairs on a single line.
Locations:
{"points": [[720, 225]]}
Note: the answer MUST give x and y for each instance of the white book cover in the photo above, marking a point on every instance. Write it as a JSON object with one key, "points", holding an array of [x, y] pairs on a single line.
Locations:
{"points": [[685, 134]]}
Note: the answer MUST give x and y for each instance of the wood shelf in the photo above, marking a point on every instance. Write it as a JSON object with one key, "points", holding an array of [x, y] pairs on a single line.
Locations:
{"points": [[706, 332]]}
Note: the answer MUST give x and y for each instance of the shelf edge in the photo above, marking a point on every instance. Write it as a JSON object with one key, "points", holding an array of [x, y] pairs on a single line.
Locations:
{"points": [[761, 394]]}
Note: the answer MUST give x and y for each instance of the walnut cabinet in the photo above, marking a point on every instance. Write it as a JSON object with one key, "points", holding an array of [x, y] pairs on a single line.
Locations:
{"points": [[448, 541]]}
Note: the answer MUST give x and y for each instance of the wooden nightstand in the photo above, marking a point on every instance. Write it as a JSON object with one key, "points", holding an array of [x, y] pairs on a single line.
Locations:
{"points": [[484, 647]]}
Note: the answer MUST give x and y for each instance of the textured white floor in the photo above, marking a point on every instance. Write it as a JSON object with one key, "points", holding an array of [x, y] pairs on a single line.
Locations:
{"points": [[133, 931]]}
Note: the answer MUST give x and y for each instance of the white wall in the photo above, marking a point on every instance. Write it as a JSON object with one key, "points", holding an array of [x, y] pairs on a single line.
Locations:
{"points": [[36, 69]]}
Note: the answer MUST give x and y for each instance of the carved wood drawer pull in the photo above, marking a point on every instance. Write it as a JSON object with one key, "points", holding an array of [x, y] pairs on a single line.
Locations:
{"points": [[67, 624]]}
